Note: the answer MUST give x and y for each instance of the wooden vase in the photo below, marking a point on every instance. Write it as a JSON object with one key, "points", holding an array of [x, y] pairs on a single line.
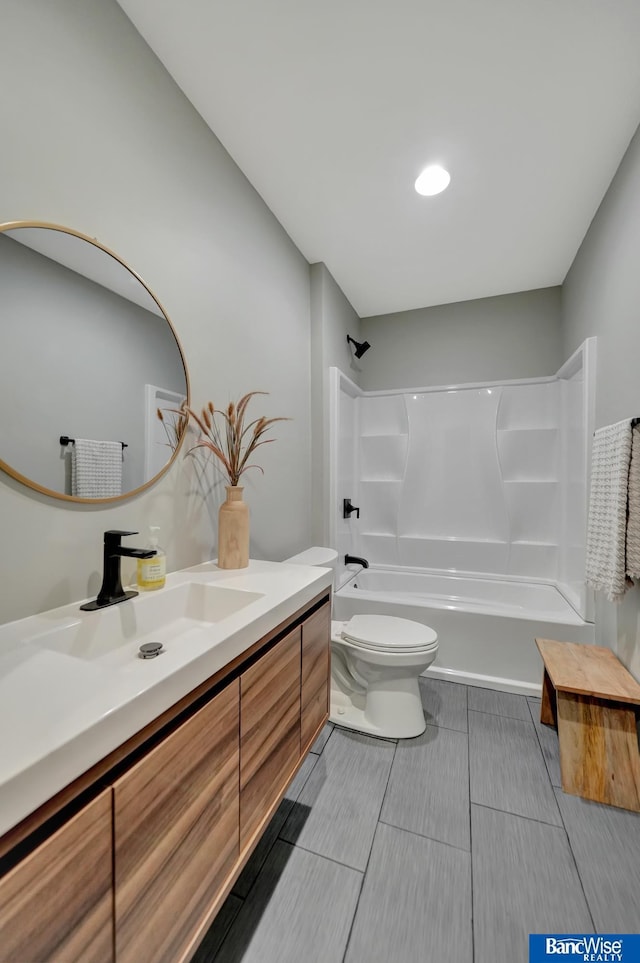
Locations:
{"points": [[233, 530]]}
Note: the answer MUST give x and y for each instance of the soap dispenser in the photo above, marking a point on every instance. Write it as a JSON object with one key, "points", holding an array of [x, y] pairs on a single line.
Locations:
{"points": [[152, 572]]}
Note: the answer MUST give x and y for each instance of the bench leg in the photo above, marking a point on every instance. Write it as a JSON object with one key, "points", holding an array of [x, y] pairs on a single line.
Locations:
{"points": [[548, 705], [599, 756]]}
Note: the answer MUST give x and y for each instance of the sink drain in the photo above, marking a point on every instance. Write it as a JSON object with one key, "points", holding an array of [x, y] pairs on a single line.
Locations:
{"points": [[149, 650]]}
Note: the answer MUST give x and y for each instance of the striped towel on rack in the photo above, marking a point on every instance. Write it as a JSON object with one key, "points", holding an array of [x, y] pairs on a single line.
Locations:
{"points": [[633, 507], [607, 520], [96, 468]]}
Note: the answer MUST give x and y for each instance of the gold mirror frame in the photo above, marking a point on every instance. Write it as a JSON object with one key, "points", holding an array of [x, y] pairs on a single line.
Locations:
{"points": [[30, 483]]}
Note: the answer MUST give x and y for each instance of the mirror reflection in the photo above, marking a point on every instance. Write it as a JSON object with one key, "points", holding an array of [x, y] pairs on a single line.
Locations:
{"points": [[88, 354]]}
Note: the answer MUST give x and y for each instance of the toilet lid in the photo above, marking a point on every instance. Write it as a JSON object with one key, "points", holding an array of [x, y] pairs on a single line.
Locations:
{"points": [[386, 632]]}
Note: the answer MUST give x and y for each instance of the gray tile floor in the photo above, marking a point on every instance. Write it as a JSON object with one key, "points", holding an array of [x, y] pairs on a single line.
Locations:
{"points": [[449, 848]]}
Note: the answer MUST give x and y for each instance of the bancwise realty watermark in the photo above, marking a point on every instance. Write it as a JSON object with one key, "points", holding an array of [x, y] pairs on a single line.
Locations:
{"points": [[585, 948]]}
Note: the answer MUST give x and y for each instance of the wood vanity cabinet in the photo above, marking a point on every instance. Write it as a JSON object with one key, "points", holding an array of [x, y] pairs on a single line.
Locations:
{"points": [[139, 872], [175, 822], [269, 730], [57, 903], [316, 673]]}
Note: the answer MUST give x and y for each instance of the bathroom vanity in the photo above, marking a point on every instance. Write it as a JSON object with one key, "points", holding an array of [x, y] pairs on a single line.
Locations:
{"points": [[136, 812]]}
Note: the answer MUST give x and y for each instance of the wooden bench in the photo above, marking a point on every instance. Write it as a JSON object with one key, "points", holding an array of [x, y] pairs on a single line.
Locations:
{"points": [[592, 699]]}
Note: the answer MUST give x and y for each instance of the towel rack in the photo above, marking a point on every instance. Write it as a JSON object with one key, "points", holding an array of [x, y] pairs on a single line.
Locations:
{"points": [[65, 440]]}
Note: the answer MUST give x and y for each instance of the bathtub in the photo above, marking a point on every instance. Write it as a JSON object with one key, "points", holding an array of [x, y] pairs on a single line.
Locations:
{"points": [[486, 627]]}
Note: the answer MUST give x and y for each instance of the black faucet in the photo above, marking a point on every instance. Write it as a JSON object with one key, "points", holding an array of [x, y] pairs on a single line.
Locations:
{"points": [[112, 592], [358, 561]]}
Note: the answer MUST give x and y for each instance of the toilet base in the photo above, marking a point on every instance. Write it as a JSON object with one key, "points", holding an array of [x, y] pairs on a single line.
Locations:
{"points": [[387, 713]]}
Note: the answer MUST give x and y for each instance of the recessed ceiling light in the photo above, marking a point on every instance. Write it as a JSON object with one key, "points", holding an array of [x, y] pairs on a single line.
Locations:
{"points": [[432, 180]]}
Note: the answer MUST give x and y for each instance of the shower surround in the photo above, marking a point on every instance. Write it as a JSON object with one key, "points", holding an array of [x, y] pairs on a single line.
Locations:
{"points": [[487, 481]]}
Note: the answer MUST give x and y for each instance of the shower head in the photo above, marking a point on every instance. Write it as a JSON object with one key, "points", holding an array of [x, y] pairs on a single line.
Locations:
{"points": [[360, 346]]}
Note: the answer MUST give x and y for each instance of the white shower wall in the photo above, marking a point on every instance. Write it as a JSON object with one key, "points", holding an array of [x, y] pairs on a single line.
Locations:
{"points": [[577, 379], [475, 478], [469, 480]]}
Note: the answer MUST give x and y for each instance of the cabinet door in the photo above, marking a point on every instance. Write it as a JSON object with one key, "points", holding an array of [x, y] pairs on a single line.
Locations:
{"points": [[269, 730], [316, 670], [176, 833], [57, 904]]}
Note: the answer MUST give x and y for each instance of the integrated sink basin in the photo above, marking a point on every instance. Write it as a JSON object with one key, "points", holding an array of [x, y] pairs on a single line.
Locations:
{"points": [[73, 689], [182, 615]]}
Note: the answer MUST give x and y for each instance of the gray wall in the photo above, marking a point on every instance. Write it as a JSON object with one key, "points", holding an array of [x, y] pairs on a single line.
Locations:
{"points": [[601, 296], [510, 336], [96, 136], [332, 319]]}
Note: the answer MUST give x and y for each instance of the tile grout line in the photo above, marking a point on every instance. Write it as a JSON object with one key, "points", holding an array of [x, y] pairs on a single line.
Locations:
{"points": [[312, 852], [436, 725], [532, 730], [432, 839], [498, 715], [227, 931], [364, 875], [347, 730], [266, 855], [546, 768], [544, 758], [279, 838], [575, 863], [555, 790], [531, 819], [432, 721], [285, 799], [473, 919]]}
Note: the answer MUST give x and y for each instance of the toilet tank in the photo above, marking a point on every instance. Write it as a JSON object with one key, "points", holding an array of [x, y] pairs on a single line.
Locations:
{"points": [[317, 555]]}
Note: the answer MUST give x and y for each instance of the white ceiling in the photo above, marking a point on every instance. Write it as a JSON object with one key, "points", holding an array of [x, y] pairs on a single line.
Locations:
{"points": [[332, 108]]}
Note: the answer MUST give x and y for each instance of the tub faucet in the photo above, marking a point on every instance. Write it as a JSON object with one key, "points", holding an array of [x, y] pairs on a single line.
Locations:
{"points": [[348, 559], [112, 592]]}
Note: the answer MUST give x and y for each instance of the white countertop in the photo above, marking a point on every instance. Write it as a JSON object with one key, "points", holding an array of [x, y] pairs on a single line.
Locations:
{"points": [[61, 713]]}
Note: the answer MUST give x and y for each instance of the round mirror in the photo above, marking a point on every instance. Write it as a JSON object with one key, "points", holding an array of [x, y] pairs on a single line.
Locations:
{"points": [[91, 375]]}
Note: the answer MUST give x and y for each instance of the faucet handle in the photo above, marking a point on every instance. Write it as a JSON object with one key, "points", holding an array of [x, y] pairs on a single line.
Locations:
{"points": [[348, 508], [113, 539]]}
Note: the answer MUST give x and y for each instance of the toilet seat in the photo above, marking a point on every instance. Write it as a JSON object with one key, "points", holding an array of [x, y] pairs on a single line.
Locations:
{"points": [[387, 633]]}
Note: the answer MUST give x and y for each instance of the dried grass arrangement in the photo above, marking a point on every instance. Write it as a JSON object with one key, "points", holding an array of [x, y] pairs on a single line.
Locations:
{"points": [[174, 427], [233, 442]]}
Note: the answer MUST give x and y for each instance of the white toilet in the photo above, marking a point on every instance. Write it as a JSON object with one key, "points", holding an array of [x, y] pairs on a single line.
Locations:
{"points": [[375, 664]]}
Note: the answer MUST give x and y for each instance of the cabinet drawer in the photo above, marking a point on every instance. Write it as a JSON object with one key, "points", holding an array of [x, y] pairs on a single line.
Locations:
{"points": [[57, 904], [316, 669], [314, 715], [176, 818], [269, 730], [316, 655]]}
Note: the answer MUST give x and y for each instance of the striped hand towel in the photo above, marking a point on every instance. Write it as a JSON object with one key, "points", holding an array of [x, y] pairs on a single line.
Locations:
{"points": [[633, 512], [607, 520], [96, 468]]}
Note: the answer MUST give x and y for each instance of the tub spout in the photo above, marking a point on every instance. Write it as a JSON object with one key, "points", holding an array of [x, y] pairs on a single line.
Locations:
{"points": [[348, 559]]}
